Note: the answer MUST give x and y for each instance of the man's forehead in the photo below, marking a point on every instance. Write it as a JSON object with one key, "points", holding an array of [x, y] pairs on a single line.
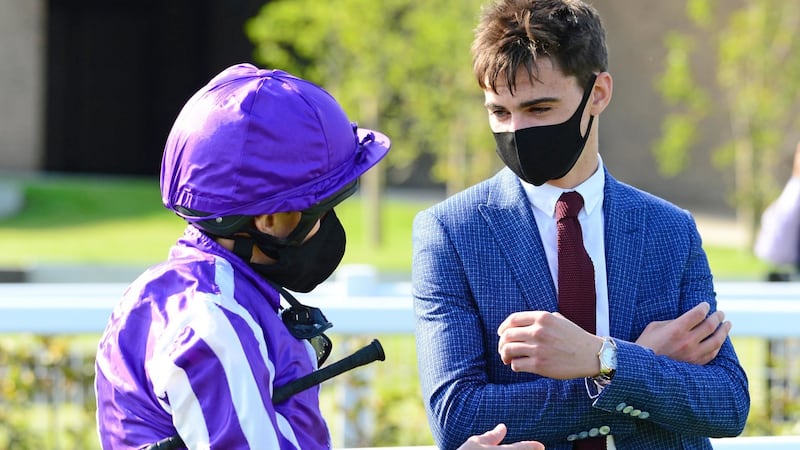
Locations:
{"points": [[521, 87], [543, 72]]}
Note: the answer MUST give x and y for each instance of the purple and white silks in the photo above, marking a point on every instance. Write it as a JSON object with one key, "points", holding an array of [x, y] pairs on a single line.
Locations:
{"points": [[196, 346]]}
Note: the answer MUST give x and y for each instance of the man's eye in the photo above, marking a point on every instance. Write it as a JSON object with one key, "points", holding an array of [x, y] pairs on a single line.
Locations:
{"points": [[498, 113]]}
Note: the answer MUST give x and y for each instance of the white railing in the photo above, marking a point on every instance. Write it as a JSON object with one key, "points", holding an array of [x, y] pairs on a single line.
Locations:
{"points": [[358, 304]]}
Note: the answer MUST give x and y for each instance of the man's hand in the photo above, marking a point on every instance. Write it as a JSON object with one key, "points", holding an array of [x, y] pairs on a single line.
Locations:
{"points": [[492, 438], [548, 344], [692, 337]]}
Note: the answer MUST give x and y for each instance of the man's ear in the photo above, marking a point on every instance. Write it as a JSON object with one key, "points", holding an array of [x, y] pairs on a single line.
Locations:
{"points": [[265, 223], [277, 224], [601, 94]]}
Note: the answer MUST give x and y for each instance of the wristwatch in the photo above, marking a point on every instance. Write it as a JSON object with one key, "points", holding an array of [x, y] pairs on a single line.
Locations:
{"points": [[608, 361]]}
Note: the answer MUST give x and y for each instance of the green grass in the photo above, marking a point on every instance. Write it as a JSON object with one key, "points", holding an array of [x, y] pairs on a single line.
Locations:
{"points": [[96, 220], [113, 221], [731, 263]]}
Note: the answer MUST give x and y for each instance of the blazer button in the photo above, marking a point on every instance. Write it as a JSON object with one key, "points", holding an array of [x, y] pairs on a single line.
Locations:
{"points": [[604, 430], [594, 432], [627, 409], [635, 413], [621, 406], [583, 435], [572, 437], [644, 415]]}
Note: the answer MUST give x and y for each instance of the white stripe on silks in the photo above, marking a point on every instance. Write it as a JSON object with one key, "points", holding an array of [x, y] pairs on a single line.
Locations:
{"points": [[286, 429], [312, 353], [224, 279], [171, 381], [223, 340], [220, 335], [190, 423]]}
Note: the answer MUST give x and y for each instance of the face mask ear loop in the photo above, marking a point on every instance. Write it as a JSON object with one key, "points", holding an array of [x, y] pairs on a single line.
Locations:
{"points": [[585, 103], [293, 302], [314, 321], [243, 247], [285, 294]]}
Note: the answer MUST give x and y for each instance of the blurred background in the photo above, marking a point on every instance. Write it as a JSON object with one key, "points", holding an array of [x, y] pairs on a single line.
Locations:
{"points": [[705, 114]]}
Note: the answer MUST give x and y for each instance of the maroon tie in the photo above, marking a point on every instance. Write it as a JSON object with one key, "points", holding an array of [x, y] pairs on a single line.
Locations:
{"points": [[576, 294]]}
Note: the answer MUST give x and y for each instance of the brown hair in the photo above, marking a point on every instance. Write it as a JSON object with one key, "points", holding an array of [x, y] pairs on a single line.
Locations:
{"points": [[514, 33]]}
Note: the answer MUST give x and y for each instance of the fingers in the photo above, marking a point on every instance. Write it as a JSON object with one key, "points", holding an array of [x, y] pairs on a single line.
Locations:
{"points": [[709, 348], [509, 351], [518, 319], [493, 436], [523, 319], [708, 326], [796, 166], [527, 445], [489, 439], [706, 339], [492, 439], [713, 326], [520, 332], [694, 337], [695, 316]]}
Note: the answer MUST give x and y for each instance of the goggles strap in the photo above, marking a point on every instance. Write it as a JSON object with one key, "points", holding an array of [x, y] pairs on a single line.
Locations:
{"points": [[243, 247]]}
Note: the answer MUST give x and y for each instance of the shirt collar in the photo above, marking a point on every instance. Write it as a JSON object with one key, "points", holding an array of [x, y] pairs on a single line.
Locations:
{"points": [[544, 197]]}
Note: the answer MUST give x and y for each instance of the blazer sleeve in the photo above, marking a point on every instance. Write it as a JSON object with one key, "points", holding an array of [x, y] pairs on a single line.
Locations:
{"points": [[709, 400]]}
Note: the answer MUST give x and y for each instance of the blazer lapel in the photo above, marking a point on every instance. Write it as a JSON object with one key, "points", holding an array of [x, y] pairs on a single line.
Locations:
{"points": [[509, 218], [625, 217]]}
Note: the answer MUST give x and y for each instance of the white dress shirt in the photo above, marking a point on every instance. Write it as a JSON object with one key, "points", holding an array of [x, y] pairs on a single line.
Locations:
{"points": [[544, 198]]}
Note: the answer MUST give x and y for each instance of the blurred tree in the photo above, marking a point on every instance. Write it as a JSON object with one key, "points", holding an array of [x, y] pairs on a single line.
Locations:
{"points": [[757, 72], [400, 66]]}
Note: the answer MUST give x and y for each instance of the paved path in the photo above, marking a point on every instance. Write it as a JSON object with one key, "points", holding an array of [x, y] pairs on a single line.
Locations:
{"points": [[720, 230]]}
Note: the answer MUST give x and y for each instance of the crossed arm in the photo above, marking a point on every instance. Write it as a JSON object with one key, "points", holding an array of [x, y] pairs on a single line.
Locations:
{"points": [[550, 345]]}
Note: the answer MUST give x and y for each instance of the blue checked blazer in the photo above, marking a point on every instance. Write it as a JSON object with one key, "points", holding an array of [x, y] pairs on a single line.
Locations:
{"points": [[478, 257]]}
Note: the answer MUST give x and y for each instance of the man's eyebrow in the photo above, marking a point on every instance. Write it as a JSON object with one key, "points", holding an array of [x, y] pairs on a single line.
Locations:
{"points": [[524, 104], [538, 101]]}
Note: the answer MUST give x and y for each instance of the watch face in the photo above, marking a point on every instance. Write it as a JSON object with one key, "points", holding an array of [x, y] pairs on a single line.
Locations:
{"points": [[608, 355], [610, 358]]}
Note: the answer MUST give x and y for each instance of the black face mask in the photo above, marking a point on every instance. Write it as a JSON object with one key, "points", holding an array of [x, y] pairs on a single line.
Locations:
{"points": [[301, 268], [548, 152]]}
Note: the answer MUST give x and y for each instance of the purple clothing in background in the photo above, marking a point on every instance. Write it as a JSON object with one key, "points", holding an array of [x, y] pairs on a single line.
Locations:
{"points": [[195, 347], [778, 239]]}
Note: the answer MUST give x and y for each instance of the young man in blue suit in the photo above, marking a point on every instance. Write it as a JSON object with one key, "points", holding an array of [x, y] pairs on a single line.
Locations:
{"points": [[658, 371]]}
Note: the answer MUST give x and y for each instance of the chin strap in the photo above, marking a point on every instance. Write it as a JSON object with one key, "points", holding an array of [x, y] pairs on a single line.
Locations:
{"points": [[303, 322], [243, 247]]}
